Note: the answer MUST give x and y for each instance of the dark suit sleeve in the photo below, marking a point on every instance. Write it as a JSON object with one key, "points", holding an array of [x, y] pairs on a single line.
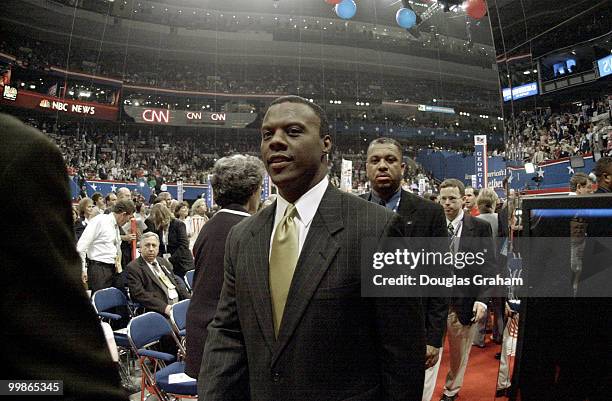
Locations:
{"points": [[224, 371], [49, 328], [178, 246], [138, 293], [489, 269], [401, 333], [436, 308]]}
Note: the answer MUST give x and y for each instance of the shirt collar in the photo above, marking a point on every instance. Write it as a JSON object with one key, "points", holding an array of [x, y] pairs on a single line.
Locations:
{"points": [[393, 201], [306, 205], [457, 219]]}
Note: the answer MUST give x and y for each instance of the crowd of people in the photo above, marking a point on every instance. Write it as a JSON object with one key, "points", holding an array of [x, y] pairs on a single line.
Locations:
{"points": [[323, 83], [537, 136], [405, 334]]}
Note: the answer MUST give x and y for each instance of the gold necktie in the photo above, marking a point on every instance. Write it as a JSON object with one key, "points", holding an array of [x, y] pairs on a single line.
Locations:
{"points": [[283, 260]]}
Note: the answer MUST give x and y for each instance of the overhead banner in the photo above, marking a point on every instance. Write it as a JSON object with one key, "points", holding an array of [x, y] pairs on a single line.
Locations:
{"points": [[346, 181], [480, 160], [46, 103], [435, 109], [189, 118], [520, 92]]}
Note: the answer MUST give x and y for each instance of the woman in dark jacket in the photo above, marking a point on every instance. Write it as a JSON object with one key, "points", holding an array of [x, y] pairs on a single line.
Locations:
{"points": [[236, 184], [86, 213], [172, 233]]}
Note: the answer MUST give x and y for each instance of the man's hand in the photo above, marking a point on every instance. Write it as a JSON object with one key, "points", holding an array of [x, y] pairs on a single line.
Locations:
{"points": [[431, 356], [128, 237], [480, 312]]}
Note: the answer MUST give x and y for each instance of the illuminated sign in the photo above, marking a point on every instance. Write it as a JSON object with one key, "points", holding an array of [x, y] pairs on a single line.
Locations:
{"points": [[156, 116], [38, 101], [9, 93], [188, 118], [200, 116], [67, 107], [435, 109], [520, 92], [604, 65]]}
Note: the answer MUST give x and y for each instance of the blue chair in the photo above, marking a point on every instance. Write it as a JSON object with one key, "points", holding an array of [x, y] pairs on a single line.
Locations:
{"points": [[107, 302], [112, 306], [189, 279], [157, 367], [178, 316]]}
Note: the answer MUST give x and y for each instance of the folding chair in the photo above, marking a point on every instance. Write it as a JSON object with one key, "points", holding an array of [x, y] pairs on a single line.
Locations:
{"points": [[189, 279], [108, 304], [178, 318], [159, 369]]}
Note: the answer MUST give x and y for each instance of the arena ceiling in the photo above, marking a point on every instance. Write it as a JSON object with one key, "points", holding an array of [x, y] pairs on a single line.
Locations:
{"points": [[380, 12]]}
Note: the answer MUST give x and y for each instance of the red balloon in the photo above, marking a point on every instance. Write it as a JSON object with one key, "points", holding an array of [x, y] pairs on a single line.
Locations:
{"points": [[333, 2], [476, 8]]}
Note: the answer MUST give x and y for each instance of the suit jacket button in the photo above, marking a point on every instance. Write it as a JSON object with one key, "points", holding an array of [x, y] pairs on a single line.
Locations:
{"points": [[276, 377]]}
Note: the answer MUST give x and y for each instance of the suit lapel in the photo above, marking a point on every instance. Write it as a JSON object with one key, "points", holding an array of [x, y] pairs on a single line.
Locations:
{"points": [[467, 230], [257, 271], [406, 209], [317, 253], [150, 274]]}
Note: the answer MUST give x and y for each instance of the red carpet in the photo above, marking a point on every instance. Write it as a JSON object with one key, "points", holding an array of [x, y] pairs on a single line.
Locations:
{"points": [[480, 377]]}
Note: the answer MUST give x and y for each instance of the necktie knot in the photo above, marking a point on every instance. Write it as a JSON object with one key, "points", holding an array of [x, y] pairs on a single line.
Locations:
{"points": [[451, 230], [291, 211]]}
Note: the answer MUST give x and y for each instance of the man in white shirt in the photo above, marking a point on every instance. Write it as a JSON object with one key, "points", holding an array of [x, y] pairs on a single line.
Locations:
{"points": [[100, 246]]}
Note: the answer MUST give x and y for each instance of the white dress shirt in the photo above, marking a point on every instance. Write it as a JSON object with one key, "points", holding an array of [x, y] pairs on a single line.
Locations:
{"points": [[306, 207], [100, 240]]}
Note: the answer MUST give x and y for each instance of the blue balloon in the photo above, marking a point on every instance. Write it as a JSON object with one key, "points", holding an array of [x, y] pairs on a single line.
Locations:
{"points": [[346, 9], [405, 17]]}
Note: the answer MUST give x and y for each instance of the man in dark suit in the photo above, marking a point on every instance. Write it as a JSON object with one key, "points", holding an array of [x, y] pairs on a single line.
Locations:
{"points": [[422, 218], [236, 183], [151, 280], [49, 328], [468, 304], [291, 324]]}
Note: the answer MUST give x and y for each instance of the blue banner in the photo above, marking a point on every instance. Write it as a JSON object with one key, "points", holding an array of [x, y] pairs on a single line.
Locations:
{"points": [[520, 92], [480, 161], [548, 175], [190, 192], [604, 65]]}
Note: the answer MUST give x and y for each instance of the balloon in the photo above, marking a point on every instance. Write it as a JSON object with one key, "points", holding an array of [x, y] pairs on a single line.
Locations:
{"points": [[405, 17], [346, 9], [476, 8], [333, 2]]}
